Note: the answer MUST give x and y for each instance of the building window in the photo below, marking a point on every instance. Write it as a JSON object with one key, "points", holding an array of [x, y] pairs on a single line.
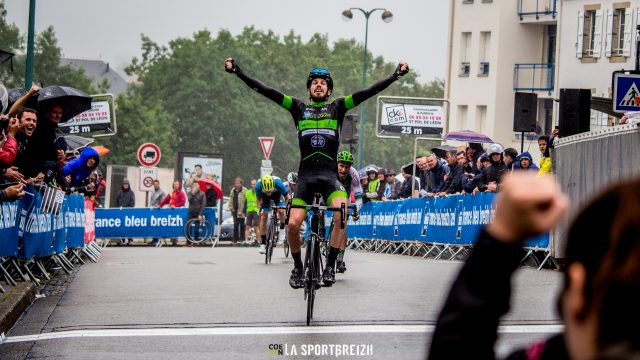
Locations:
{"points": [[463, 111], [589, 42], [481, 116], [467, 1], [465, 45], [618, 32], [485, 51]]}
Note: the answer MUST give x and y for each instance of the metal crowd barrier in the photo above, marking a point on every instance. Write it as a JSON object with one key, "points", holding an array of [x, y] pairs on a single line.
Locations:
{"points": [[44, 227]]}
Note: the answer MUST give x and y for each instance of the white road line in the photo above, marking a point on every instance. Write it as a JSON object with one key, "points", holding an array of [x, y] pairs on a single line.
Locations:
{"points": [[286, 330]]}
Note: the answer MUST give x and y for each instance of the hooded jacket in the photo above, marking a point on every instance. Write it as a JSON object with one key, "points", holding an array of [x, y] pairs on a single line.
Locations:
{"points": [[126, 198], [527, 155], [78, 168]]}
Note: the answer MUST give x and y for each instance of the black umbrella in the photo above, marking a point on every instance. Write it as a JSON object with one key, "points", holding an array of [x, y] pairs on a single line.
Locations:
{"points": [[72, 101], [17, 93], [5, 56], [75, 142], [441, 151]]}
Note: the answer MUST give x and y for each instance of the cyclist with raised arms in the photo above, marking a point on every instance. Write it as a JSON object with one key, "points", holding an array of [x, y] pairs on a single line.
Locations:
{"points": [[270, 189], [349, 178], [318, 125]]}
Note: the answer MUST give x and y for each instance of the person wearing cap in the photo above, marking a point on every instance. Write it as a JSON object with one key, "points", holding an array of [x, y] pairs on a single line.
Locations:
{"points": [[392, 185], [126, 199], [492, 176], [375, 189]]}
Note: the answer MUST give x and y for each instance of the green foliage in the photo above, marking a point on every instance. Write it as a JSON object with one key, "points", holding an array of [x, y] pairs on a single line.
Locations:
{"points": [[139, 122], [46, 63], [204, 109]]}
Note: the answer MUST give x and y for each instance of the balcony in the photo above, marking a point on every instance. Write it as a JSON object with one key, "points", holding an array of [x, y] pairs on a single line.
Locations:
{"points": [[533, 77], [537, 11]]}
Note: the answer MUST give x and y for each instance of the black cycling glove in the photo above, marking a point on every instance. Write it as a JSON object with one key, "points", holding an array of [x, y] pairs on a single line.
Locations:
{"points": [[234, 69], [399, 72]]}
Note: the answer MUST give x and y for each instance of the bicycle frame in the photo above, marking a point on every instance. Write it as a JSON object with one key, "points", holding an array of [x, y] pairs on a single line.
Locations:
{"points": [[313, 266]]}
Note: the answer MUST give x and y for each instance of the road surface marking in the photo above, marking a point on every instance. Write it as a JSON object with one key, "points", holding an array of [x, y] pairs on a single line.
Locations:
{"points": [[285, 330]]}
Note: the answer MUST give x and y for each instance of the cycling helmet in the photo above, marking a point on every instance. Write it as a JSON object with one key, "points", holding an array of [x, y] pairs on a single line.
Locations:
{"points": [[292, 177], [495, 149], [322, 74], [267, 183], [345, 157], [371, 170]]}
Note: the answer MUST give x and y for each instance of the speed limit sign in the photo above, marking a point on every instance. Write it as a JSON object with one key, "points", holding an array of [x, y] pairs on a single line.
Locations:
{"points": [[147, 176]]}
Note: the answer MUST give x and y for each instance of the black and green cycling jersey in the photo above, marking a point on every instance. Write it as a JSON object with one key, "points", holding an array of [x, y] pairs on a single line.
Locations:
{"points": [[319, 123]]}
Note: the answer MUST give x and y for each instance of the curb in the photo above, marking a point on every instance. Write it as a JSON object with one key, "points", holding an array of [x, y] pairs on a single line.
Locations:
{"points": [[13, 304]]}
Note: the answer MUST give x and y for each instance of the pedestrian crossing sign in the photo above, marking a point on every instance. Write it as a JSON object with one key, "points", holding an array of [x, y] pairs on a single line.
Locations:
{"points": [[626, 92]]}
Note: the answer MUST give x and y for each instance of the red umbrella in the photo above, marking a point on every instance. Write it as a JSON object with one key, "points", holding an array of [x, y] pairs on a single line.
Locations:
{"points": [[203, 186]]}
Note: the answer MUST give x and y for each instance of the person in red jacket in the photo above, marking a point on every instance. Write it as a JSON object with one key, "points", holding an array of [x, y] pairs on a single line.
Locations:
{"points": [[177, 198], [9, 149]]}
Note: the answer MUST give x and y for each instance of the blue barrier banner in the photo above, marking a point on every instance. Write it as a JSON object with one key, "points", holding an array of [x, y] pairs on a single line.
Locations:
{"points": [[74, 221], [362, 228], [409, 220], [144, 222], [59, 231], [383, 220], [9, 218], [37, 230], [455, 219]]}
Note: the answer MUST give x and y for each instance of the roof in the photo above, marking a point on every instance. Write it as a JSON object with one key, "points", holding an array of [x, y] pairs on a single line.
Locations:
{"points": [[97, 70]]}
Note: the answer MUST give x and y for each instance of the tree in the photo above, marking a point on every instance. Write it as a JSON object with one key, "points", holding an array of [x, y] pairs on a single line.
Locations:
{"points": [[47, 69], [211, 111]]}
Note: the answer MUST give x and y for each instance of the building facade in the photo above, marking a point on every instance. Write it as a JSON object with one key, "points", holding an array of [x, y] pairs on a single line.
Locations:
{"points": [[498, 48]]}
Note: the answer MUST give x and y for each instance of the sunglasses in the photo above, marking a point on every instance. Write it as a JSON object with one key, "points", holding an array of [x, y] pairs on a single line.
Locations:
{"points": [[316, 71]]}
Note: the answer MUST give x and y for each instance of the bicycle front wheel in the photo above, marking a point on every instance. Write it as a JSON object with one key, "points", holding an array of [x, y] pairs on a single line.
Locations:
{"points": [[197, 231]]}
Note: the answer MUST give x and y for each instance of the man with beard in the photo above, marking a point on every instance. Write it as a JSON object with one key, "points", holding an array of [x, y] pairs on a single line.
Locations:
{"points": [[28, 120], [318, 125]]}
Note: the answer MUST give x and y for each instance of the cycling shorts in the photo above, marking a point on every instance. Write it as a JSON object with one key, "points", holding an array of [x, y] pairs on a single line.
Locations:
{"points": [[275, 198], [325, 183]]}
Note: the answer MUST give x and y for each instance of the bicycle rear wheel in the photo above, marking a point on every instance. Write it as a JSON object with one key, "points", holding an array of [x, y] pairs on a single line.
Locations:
{"points": [[285, 245], [271, 237], [310, 276]]}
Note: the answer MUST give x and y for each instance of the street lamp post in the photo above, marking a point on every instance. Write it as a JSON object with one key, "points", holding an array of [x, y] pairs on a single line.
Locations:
{"points": [[347, 15], [28, 77]]}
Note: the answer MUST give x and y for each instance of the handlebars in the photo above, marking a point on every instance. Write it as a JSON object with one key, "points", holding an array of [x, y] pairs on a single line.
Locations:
{"points": [[315, 208]]}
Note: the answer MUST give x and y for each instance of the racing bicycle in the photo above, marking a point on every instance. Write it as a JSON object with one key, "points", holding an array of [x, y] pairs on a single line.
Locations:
{"points": [[313, 266]]}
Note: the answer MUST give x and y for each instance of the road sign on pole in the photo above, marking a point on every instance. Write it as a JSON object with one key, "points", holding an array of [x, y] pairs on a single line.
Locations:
{"points": [[267, 145], [147, 175], [626, 91], [149, 154]]}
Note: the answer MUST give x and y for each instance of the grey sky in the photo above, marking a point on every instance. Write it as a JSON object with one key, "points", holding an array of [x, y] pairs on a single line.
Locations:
{"points": [[111, 30]]}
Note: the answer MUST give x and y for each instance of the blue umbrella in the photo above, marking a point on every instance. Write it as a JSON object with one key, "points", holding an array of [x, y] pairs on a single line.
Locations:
{"points": [[468, 136]]}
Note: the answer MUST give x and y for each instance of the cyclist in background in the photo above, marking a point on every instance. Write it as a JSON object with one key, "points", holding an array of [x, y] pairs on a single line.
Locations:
{"points": [[349, 178], [318, 125], [291, 184], [270, 189]]}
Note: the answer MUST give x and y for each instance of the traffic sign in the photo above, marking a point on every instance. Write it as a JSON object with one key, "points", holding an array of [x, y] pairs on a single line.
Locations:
{"points": [[626, 91], [148, 154], [267, 144], [147, 175]]}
